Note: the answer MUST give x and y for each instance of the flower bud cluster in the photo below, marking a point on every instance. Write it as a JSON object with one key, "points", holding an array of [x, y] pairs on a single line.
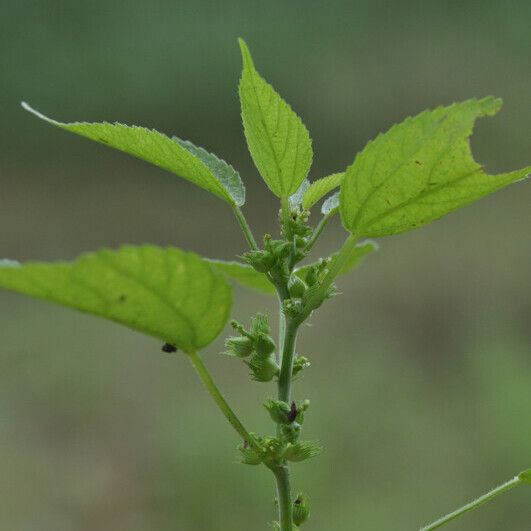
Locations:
{"points": [[257, 345]]}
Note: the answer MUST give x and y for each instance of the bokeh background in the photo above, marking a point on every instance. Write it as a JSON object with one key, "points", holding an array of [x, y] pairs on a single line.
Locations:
{"points": [[420, 383]]}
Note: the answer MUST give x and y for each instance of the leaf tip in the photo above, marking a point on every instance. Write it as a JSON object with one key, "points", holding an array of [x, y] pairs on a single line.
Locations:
{"points": [[490, 105], [525, 476], [246, 54], [27, 107]]}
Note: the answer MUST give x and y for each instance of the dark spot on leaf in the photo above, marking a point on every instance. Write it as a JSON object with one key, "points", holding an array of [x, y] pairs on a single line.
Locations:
{"points": [[169, 348], [122, 298], [418, 162]]}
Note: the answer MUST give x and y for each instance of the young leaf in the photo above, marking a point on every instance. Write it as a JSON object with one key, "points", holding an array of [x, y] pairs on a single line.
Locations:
{"points": [[332, 203], [245, 275], [360, 252], [186, 161], [318, 189], [278, 141], [295, 199], [167, 293], [419, 171]]}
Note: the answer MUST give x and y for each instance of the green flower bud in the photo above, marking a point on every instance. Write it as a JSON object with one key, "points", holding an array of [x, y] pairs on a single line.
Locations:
{"points": [[278, 410], [302, 450], [301, 509], [250, 456], [241, 347], [296, 287], [300, 364], [261, 261], [290, 433], [264, 345], [262, 369], [260, 324]]}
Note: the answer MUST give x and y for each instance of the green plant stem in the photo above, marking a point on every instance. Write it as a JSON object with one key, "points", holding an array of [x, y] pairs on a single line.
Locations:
{"points": [[246, 229], [284, 498], [286, 362], [336, 265], [215, 393], [319, 229], [475, 504]]}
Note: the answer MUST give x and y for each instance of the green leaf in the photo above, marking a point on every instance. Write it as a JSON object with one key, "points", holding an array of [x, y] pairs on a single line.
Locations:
{"points": [[245, 275], [318, 189], [525, 476], [419, 171], [278, 141], [186, 161], [166, 293], [360, 252], [223, 171]]}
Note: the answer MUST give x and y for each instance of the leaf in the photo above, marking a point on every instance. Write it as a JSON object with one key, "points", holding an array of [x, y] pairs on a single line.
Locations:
{"points": [[166, 293], [419, 171], [245, 275], [318, 189], [332, 203], [360, 252], [278, 141], [189, 162], [223, 171], [295, 200], [525, 476]]}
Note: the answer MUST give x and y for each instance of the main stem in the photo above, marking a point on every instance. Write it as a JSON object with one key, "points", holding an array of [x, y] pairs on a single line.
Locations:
{"points": [[475, 504], [282, 473]]}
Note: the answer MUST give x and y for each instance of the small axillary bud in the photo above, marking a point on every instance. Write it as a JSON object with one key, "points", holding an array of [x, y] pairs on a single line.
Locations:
{"points": [[301, 509]]}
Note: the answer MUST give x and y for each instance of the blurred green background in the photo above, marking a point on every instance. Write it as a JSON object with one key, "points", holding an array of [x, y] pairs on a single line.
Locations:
{"points": [[420, 383]]}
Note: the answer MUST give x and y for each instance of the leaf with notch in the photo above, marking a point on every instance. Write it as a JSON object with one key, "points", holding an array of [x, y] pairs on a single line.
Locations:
{"points": [[151, 146], [318, 189], [278, 141], [166, 293], [419, 171]]}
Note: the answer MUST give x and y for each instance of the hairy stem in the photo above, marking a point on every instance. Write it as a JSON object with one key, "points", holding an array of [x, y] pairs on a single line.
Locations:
{"points": [[246, 229], [215, 393], [284, 498], [475, 504], [286, 364]]}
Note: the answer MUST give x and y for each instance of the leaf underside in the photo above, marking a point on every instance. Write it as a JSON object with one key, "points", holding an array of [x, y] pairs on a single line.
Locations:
{"points": [[186, 161], [166, 293], [318, 189], [418, 171], [278, 141], [246, 276]]}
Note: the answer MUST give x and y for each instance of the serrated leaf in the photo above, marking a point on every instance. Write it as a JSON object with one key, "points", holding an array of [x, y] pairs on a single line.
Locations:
{"points": [[419, 171], [332, 203], [160, 150], [278, 141], [245, 275], [360, 252], [525, 476], [318, 189], [166, 293], [224, 172]]}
